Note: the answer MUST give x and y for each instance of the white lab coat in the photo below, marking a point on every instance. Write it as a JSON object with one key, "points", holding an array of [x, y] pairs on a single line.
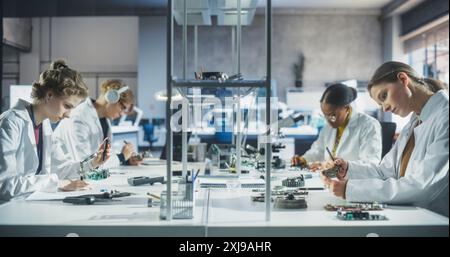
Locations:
{"points": [[79, 137], [65, 158], [425, 183], [361, 140], [18, 154]]}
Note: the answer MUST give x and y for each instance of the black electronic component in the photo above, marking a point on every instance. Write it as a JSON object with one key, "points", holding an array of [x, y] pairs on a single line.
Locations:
{"points": [[79, 200], [290, 201], [177, 173], [91, 198], [136, 181], [294, 182]]}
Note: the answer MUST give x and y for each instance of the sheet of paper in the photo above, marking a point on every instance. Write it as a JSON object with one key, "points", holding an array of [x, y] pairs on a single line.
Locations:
{"points": [[43, 196]]}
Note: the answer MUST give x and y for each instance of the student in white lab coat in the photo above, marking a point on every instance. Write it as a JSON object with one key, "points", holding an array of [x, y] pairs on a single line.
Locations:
{"points": [[415, 171], [25, 132], [90, 124], [348, 134]]}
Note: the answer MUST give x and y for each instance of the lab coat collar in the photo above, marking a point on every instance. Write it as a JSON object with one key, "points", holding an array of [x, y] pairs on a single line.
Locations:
{"points": [[21, 110], [432, 103], [353, 119]]}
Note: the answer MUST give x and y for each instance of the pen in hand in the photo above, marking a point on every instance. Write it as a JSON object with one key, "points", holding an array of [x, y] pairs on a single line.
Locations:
{"points": [[328, 150]]}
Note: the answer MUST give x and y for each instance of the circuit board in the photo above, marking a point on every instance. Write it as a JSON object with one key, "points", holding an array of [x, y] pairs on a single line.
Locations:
{"points": [[331, 173], [359, 215], [356, 206]]}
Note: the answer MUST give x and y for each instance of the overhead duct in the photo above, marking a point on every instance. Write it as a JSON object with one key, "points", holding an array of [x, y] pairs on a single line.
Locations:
{"points": [[199, 12], [227, 12]]}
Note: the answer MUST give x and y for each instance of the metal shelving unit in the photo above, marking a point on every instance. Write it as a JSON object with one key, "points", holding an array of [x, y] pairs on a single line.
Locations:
{"points": [[183, 84]]}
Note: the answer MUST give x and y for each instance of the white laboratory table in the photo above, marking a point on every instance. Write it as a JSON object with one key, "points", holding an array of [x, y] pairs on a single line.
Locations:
{"points": [[128, 216], [233, 214], [218, 212]]}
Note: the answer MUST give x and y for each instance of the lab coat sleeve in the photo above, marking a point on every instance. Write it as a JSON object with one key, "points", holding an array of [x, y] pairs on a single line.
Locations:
{"points": [[113, 162], [11, 183], [421, 176], [64, 163], [370, 147], [316, 152], [9, 144], [384, 170], [12, 186], [81, 132]]}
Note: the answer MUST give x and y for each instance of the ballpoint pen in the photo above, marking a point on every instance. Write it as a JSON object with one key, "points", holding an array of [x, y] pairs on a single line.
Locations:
{"points": [[331, 172], [328, 150]]}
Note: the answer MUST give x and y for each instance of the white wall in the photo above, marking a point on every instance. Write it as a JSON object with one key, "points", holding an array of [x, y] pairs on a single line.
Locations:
{"points": [[152, 64], [99, 47], [100, 44], [336, 45]]}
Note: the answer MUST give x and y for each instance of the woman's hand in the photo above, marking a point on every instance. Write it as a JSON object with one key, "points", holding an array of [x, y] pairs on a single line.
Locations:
{"points": [[98, 160], [337, 187], [68, 185], [343, 167], [128, 150], [315, 166], [135, 160], [298, 161]]}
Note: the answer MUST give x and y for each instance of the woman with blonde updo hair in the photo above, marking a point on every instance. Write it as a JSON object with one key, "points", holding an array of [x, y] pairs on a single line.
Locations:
{"points": [[91, 123], [25, 131]]}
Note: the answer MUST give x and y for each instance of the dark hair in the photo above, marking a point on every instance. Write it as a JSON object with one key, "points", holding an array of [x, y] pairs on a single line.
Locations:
{"points": [[388, 73], [339, 95], [60, 80]]}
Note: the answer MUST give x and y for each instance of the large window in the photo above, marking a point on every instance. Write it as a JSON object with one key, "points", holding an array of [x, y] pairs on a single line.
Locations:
{"points": [[427, 52]]}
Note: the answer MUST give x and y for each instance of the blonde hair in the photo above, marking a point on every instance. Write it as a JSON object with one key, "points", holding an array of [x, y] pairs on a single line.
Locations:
{"points": [[60, 80], [125, 97], [388, 73]]}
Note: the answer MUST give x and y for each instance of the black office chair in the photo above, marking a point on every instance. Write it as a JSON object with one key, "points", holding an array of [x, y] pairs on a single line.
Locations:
{"points": [[387, 132]]}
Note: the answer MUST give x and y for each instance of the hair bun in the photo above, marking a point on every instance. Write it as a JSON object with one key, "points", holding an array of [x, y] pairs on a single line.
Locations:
{"points": [[58, 64]]}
